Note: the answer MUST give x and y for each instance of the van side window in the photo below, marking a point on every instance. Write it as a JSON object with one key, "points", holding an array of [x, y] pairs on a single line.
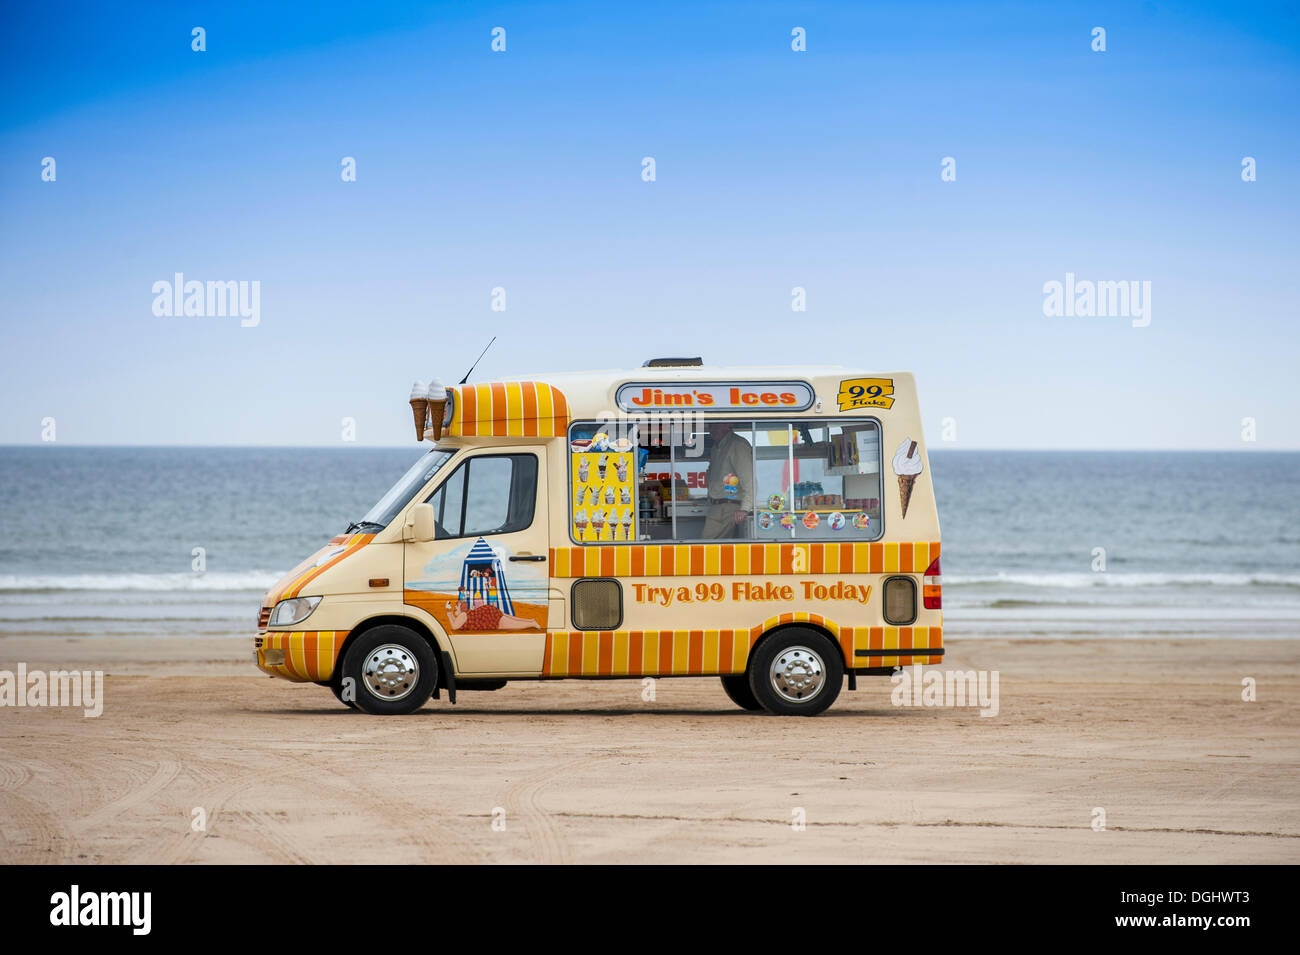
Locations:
{"points": [[448, 503], [487, 494], [818, 480], [768, 479], [698, 482]]}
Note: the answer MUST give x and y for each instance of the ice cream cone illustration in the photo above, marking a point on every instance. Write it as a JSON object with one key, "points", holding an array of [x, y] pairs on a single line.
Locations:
{"points": [[907, 466], [584, 469], [601, 464], [437, 396], [419, 408], [622, 469], [598, 522]]}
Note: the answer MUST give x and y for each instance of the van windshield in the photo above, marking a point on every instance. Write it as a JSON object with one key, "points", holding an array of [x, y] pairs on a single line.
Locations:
{"points": [[400, 494]]}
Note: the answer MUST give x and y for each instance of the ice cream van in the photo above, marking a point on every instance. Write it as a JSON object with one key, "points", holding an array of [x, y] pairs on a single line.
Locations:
{"points": [[774, 528]]}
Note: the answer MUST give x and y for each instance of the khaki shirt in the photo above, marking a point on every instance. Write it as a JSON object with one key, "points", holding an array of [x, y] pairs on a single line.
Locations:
{"points": [[732, 455]]}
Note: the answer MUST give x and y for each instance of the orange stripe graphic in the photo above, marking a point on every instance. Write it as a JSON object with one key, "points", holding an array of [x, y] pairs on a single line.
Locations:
{"points": [[307, 571], [700, 560], [500, 419], [670, 652], [355, 543], [530, 409], [635, 650], [309, 655]]}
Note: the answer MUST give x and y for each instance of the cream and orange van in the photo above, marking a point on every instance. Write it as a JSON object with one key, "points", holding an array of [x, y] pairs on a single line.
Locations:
{"points": [[773, 527]]}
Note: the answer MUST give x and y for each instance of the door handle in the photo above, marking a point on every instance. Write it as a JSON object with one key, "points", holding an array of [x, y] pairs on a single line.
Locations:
{"points": [[528, 557]]}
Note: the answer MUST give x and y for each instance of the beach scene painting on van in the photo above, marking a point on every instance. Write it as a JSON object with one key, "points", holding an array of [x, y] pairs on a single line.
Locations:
{"points": [[468, 589]]}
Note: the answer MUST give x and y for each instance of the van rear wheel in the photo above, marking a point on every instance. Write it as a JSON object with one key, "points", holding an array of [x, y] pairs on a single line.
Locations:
{"points": [[737, 687], [393, 670], [796, 672]]}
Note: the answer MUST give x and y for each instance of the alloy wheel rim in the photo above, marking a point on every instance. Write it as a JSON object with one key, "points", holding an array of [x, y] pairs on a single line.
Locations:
{"points": [[391, 672], [798, 674]]}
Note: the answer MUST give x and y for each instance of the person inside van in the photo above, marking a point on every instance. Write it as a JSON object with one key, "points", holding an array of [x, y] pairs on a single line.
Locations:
{"points": [[730, 481]]}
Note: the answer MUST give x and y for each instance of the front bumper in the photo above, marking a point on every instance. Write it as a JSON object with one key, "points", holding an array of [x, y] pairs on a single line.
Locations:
{"points": [[302, 656]]}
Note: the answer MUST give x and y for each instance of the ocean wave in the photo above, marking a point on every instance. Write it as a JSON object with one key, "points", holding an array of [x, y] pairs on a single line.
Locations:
{"points": [[1015, 604], [216, 581], [1075, 581]]}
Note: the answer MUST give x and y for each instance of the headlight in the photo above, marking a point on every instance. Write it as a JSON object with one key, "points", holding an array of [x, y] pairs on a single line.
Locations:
{"points": [[295, 610]]}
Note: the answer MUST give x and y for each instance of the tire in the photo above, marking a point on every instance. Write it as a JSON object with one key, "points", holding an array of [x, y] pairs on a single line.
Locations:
{"points": [[336, 687], [796, 672], [737, 687], [393, 669]]}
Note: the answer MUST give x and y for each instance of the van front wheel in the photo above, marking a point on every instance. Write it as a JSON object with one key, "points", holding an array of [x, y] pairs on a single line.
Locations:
{"points": [[393, 670], [336, 687], [796, 672]]}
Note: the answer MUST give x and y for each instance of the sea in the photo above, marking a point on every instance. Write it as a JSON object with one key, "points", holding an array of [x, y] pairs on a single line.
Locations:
{"points": [[183, 542]]}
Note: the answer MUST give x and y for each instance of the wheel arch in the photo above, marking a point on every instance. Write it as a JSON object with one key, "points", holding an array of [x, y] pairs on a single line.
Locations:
{"points": [[396, 619], [816, 626]]}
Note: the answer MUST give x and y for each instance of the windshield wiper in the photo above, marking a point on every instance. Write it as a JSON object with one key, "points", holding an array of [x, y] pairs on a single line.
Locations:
{"points": [[358, 525]]}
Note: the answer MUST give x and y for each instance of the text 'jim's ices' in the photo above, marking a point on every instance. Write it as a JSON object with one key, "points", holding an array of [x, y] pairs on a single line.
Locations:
{"points": [[75, 907], [916, 687], [208, 299], [83, 688]]}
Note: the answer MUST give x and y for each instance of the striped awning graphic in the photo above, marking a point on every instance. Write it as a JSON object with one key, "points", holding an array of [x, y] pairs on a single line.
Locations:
{"points": [[509, 409]]}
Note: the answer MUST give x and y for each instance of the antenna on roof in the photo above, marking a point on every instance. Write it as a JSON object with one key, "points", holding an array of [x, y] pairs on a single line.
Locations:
{"points": [[477, 360]]}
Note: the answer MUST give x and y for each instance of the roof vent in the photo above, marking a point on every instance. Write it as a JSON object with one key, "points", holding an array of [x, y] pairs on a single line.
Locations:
{"points": [[673, 363]]}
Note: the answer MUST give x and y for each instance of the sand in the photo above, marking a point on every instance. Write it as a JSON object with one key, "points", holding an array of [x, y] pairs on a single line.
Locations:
{"points": [[1154, 733]]}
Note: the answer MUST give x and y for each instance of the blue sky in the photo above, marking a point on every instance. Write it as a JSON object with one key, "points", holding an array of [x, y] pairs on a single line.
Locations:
{"points": [[775, 169]]}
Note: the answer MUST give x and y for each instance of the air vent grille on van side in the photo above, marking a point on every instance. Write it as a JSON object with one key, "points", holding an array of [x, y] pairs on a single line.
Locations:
{"points": [[597, 604]]}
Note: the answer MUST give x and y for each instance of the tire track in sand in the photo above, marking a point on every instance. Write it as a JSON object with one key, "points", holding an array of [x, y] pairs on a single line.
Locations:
{"points": [[548, 844], [28, 832], [260, 833], [437, 842], [164, 772]]}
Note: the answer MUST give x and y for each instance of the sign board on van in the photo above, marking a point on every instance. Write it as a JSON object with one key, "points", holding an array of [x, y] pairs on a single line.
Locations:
{"points": [[866, 393], [712, 396]]}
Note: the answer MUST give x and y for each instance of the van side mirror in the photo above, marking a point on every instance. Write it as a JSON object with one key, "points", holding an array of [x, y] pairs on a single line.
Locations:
{"points": [[420, 523]]}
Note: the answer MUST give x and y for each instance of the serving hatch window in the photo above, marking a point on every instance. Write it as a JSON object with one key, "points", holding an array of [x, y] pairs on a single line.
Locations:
{"points": [[818, 480], [696, 479]]}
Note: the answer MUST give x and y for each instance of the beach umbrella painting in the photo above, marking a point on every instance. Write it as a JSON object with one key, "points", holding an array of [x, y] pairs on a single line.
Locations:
{"points": [[483, 579]]}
